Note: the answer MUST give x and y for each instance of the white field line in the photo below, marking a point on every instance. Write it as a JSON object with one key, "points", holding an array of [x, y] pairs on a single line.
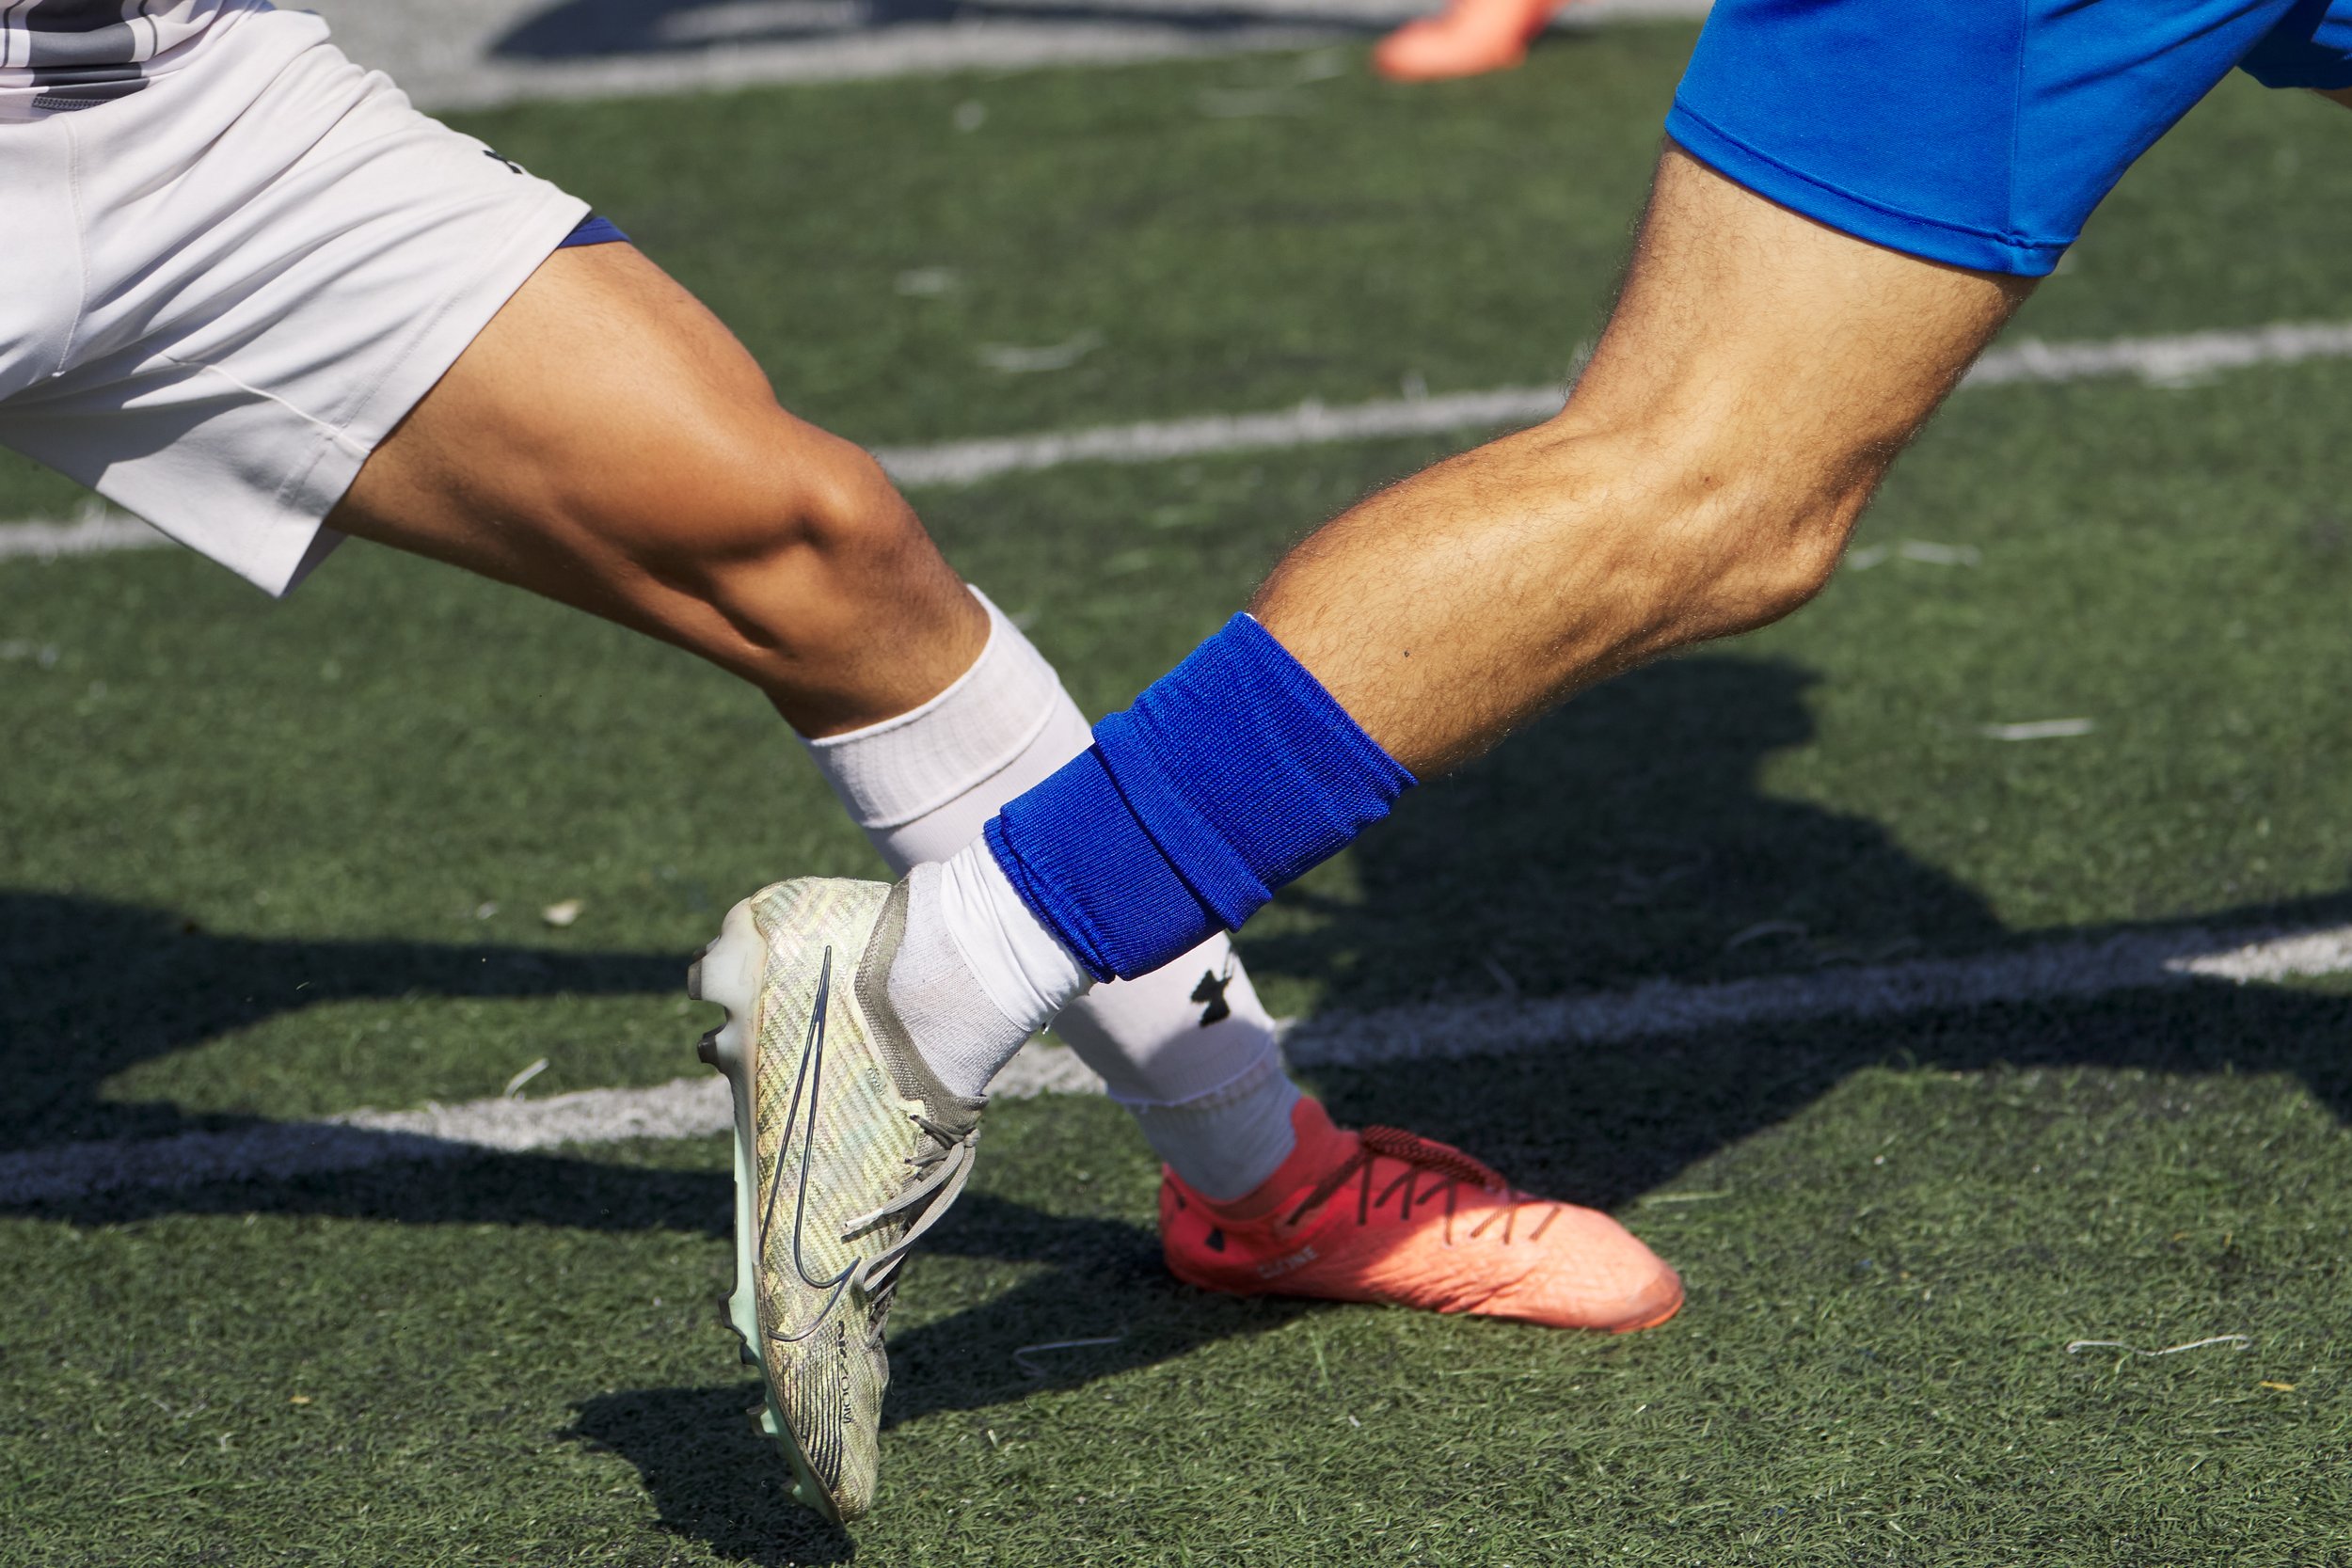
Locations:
{"points": [[697, 1107], [2166, 361], [2177, 360], [94, 531], [2052, 972]]}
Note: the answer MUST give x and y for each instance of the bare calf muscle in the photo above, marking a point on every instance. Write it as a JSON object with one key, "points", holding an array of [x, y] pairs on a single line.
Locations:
{"points": [[607, 443], [1760, 375]]}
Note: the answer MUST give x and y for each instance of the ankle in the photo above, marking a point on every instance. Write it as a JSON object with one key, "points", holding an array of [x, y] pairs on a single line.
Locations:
{"points": [[952, 1018], [1225, 1144]]}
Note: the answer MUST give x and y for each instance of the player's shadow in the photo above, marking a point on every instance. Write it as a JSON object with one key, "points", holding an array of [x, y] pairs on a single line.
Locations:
{"points": [[1629, 838], [590, 29], [1626, 837], [89, 988], [711, 1479]]}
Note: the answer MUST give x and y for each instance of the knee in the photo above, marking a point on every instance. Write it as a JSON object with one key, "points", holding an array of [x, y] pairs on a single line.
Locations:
{"points": [[765, 523], [813, 503], [1746, 533], [1777, 539]]}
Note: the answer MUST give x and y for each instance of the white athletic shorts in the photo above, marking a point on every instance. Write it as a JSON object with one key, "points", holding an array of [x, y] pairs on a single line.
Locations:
{"points": [[220, 292]]}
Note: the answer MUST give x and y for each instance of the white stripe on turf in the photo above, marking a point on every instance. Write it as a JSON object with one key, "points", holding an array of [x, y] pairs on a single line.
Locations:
{"points": [[697, 1107], [95, 531], [2052, 972], [2164, 361], [2178, 360]]}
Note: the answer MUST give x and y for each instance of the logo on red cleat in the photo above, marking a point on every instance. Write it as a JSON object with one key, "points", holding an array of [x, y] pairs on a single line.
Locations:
{"points": [[1280, 1266]]}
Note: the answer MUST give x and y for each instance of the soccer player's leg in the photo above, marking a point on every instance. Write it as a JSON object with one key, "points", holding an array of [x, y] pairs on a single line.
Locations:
{"points": [[637, 465], [409, 334], [605, 442], [1303, 1232], [1760, 372], [1855, 203]]}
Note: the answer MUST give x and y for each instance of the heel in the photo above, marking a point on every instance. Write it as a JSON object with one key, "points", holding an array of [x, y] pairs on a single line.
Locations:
{"points": [[727, 971]]}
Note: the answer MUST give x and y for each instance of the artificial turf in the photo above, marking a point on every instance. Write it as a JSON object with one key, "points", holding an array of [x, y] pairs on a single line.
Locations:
{"points": [[276, 861]]}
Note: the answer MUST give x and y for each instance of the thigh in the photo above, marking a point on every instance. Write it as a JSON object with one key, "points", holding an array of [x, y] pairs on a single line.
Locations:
{"points": [[1778, 342], [1760, 372], [603, 414], [1982, 135]]}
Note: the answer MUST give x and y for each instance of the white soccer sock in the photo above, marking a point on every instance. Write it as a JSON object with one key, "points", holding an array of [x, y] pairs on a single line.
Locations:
{"points": [[1189, 1050], [961, 980]]}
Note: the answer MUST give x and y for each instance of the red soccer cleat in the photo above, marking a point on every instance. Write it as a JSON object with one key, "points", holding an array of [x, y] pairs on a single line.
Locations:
{"points": [[1386, 1216], [1469, 37]]}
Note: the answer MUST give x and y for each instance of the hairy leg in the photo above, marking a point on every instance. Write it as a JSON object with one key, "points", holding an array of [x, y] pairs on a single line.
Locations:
{"points": [[607, 443], [1760, 375]]}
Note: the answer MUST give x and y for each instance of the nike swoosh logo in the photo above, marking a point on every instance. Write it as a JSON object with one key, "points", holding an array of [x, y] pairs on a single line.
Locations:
{"points": [[808, 1083]]}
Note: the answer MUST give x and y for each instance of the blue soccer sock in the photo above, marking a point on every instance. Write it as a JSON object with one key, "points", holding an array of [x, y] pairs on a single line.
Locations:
{"points": [[1234, 773]]}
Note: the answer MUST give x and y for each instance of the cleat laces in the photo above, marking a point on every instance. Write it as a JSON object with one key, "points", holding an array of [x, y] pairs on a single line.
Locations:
{"points": [[1442, 1166]]}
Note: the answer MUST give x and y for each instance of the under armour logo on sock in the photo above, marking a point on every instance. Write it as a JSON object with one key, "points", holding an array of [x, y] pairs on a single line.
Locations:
{"points": [[1212, 990]]}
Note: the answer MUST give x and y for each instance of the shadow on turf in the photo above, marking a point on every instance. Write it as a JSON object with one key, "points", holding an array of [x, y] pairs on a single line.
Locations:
{"points": [[590, 29], [88, 988], [711, 1479], [1627, 838]]}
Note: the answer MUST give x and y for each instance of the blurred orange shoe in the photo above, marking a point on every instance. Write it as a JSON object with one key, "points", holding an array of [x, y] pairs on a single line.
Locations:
{"points": [[1386, 1216], [1469, 37]]}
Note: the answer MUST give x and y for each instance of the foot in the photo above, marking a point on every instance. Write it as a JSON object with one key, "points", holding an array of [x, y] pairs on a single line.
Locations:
{"points": [[1384, 1216], [1469, 37], [847, 1149]]}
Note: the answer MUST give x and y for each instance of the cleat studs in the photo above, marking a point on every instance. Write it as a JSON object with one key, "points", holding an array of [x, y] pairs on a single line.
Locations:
{"points": [[694, 977], [708, 1048]]}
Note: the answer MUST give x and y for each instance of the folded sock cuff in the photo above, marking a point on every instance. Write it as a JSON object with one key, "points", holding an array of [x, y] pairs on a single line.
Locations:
{"points": [[890, 773], [1232, 774]]}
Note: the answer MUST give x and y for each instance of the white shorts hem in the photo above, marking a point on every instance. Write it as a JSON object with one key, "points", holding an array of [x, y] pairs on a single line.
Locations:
{"points": [[294, 520]]}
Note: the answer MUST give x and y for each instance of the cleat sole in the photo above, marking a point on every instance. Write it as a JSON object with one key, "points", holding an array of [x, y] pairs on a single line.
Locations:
{"points": [[729, 973]]}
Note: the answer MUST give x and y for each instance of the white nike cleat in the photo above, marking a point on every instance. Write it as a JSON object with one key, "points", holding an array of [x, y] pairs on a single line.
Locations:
{"points": [[847, 1149]]}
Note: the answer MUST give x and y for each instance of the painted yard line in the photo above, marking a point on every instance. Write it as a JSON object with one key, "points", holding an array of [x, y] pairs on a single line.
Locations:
{"points": [[2177, 360], [681, 1108], [1158, 440], [2163, 362], [96, 532], [2055, 972], [698, 1107]]}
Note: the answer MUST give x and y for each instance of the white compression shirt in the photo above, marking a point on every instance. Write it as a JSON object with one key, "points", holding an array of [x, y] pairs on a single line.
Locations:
{"points": [[73, 54]]}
